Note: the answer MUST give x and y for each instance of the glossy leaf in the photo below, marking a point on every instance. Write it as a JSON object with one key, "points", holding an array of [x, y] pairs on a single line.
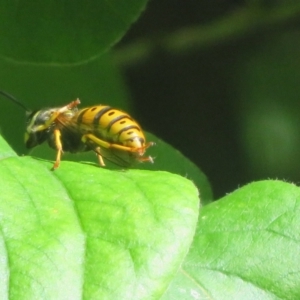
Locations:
{"points": [[246, 247], [84, 232], [63, 32]]}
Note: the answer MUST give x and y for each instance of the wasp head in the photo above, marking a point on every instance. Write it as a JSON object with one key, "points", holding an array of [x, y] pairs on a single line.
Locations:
{"points": [[38, 127]]}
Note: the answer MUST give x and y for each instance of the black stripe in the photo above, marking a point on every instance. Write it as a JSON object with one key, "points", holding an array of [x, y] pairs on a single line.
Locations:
{"points": [[100, 114], [112, 122], [80, 116], [129, 127]]}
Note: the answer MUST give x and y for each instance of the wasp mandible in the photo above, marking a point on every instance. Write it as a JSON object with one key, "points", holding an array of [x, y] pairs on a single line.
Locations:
{"points": [[109, 132]]}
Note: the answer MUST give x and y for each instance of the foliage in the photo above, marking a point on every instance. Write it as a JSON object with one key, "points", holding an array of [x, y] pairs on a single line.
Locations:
{"points": [[90, 232], [85, 232], [245, 247]]}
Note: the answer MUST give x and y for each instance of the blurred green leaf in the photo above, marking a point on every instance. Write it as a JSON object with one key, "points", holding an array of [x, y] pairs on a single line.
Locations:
{"points": [[83, 232], [268, 90], [246, 247], [63, 32]]}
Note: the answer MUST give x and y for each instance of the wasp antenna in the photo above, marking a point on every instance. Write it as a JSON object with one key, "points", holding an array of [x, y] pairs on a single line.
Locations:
{"points": [[16, 101]]}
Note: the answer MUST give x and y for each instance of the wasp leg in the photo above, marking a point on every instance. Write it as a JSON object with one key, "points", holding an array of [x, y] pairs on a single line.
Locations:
{"points": [[99, 156], [148, 158], [149, 145], [59, 149], [108, 145]]}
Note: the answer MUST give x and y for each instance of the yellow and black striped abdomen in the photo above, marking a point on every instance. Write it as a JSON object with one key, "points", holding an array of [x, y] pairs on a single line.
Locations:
{"points": [[111, 124]]}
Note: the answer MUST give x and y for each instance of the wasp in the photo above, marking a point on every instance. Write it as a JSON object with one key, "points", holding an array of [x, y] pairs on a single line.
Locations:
{"points": [[109, 132]]}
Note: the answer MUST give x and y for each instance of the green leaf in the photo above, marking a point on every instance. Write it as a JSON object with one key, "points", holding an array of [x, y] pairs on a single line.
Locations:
{"points": [[246, 247], [63, 32], [84, 232]]}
